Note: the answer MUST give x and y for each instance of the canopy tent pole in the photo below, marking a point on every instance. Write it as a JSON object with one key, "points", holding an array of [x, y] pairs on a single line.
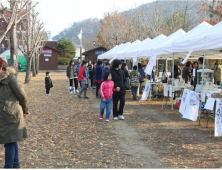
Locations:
{"points": [[204, 60], [172, 82]]}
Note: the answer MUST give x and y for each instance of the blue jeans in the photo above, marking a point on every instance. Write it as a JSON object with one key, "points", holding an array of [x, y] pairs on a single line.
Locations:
{"points": [[107, 104], [11, 155]]}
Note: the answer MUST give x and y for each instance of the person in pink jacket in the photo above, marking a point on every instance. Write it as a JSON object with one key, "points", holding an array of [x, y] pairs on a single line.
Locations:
{"points": [[106, 93]]}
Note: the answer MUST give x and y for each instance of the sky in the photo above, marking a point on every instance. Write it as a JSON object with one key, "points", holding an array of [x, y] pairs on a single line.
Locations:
{"points": [[60, 14]]}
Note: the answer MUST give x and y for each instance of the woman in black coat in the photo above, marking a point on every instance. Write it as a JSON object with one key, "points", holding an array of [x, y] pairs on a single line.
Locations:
{"points": [[119, 80]]}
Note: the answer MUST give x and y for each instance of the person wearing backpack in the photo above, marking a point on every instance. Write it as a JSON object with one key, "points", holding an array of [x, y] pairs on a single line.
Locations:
{"points": [[135, 80]]}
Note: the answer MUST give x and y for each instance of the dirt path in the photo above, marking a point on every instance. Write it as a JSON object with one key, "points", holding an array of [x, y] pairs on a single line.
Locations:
{"points": [[65, 132]]}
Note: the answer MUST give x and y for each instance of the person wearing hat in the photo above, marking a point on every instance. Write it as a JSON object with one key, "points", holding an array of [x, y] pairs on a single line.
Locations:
{"points": [[217, 74], [48, 83], [105, 69]]}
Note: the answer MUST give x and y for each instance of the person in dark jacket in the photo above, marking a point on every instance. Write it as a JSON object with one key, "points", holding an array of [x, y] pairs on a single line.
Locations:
{"points": [[194, 74], [119, 80], [13, 109], [176, 72], [78, 65], [106, 69], [98, 77], [90, 67], [142, 75], [48, 83], [94, 75], [71, 73], [186, 73]]}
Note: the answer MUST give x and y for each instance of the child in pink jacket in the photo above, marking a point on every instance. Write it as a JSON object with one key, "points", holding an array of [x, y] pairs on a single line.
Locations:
{"points": [[106, 93]]}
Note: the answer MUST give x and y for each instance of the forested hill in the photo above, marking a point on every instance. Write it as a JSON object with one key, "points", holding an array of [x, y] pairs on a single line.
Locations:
{"points": [[91, 26]]}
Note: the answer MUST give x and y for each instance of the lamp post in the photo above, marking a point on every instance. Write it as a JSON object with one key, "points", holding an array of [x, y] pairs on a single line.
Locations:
{"points": [[94, 43]]}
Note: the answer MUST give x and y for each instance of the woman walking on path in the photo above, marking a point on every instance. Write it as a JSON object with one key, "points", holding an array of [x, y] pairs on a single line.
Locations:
{"points": [[71, 73], [98, 77], [106, 93], [48, 83], [83, 79], [135, 78], [13, 109], [119, 80]]}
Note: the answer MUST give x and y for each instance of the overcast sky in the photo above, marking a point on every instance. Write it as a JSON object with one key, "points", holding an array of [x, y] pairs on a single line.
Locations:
{"points": [[60, 14]]}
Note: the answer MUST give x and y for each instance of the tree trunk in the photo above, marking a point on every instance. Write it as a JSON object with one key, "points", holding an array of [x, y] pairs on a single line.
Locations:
{"points": [[14, 48], [34, 66], [37, 63], [28, 70]]}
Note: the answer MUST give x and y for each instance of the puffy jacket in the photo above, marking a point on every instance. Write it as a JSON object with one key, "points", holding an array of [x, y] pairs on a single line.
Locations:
{"points": [[13, 104], [106, 90]]}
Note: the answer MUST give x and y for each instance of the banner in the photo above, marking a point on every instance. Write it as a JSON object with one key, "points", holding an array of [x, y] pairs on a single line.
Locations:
{"points": [[183, 101], [192, 103], [150, 65], [218, 118], [146, 91]]}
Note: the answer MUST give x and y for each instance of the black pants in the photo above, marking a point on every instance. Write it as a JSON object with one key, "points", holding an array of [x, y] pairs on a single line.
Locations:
{"points": [[76, 83], [47, 90], [97, 89], [91, 78], [217, 83], [71, 82], [134, 91], [116, 99]]}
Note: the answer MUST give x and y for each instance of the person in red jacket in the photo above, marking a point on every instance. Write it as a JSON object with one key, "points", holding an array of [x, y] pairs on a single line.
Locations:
{"points": [[83, 78], [106, 93]]}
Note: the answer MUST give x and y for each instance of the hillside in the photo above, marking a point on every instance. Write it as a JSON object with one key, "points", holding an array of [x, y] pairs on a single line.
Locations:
{"points": [[91, 26]]}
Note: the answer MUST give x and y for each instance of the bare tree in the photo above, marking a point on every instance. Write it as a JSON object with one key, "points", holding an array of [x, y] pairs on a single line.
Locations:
{"points": [[20, 13], [31, 41], [9, 21]]}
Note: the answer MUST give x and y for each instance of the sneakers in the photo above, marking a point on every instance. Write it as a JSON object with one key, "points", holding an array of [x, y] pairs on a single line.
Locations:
{"points": [[121, 117], [79, 96], [86, 97], [107, 120], [100, 117], [48, 94], [77, 91], [115, 118]]}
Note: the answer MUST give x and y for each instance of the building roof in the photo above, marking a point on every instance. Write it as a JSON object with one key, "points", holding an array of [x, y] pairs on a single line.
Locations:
{"points": [[94, 49], [52, 49]]}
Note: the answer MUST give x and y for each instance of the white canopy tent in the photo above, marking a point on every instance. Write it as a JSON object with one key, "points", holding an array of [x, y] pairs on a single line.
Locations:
{"points": [[122, 54], [132, 52], [150, 44], [102, 56], [155, 48], [111, 53], [207, 40], [169, 47]]}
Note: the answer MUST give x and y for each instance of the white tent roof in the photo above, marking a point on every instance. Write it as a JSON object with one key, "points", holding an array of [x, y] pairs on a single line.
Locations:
{"points": [[169, 40], [209, 39], [132, 52], [102, 56], [111, 53], [121, 54], [169, 47], [142, 50], [7, 53]]}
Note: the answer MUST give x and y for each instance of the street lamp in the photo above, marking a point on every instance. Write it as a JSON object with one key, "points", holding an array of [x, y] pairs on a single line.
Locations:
{"points": [[94, 43]]}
